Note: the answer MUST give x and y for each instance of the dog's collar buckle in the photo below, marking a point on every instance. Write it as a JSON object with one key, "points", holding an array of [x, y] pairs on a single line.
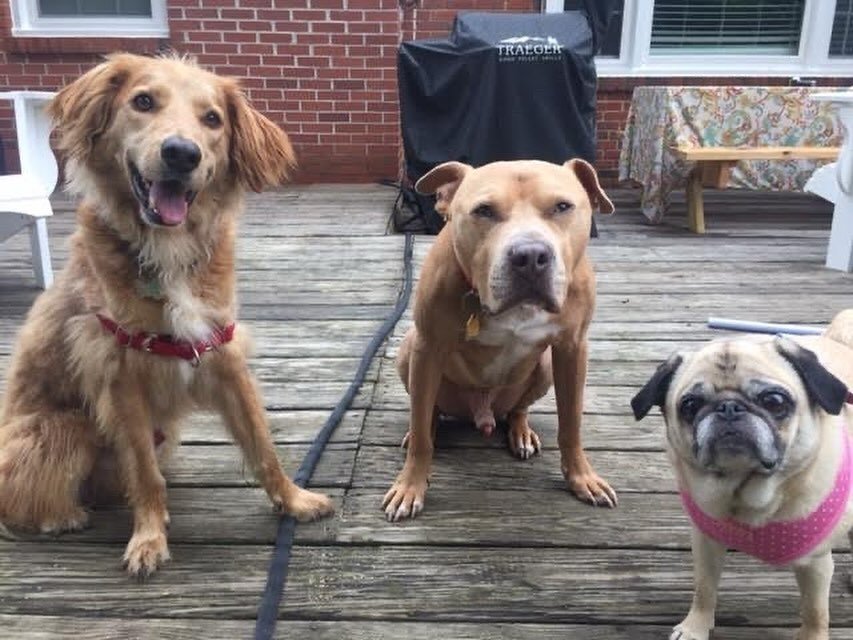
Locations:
{"points": [[147, 342]]}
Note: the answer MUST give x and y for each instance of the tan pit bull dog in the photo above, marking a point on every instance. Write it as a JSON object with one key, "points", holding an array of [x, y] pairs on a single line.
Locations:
{"points": [[502, 308]]}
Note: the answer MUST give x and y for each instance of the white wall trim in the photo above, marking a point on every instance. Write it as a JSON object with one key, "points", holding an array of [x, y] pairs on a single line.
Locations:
{"points": [[636, 60], [26, 22]]}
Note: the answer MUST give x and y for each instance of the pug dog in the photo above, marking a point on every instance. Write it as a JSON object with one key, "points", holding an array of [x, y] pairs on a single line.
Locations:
{"points": [[758, 432]]}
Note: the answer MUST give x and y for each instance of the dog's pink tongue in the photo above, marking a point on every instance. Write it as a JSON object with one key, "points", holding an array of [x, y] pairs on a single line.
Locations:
{"points": [[169, 199]]}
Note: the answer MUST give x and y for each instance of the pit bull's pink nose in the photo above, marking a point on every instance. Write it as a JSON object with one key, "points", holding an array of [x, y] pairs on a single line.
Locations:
{"points": [[530, 258]]}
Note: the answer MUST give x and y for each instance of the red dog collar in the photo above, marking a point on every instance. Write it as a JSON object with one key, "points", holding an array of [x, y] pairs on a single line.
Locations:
{"points": [[166, 345]]}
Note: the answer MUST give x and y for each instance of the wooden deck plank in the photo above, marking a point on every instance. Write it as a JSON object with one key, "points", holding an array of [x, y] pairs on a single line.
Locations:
{"points": [[385, 427], [482, 584], [287, 427], [627, 471], [200, 515], [47, 628], [603, 399], [221, 465]]}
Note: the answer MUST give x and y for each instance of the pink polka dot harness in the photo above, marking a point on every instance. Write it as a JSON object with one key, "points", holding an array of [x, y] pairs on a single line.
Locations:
{"points": [[779, 543]]}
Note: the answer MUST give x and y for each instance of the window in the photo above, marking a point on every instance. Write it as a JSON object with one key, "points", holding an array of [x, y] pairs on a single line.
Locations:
{"points": [[724, 37], [86, 18], [612, 42], [727, 26], [841, 43]]}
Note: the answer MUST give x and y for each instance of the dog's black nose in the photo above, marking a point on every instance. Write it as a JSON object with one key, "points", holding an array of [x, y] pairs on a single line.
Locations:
{"points": [[179, 154], [530, 257], [730, 410]]}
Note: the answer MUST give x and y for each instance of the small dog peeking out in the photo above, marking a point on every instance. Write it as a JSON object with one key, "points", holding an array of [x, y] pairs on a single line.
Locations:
{"points": [[139, 328], [501, 314], [758, 430]]}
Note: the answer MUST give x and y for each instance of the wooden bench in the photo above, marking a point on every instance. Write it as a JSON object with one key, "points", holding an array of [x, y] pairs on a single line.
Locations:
{"points": [[714, 166]]}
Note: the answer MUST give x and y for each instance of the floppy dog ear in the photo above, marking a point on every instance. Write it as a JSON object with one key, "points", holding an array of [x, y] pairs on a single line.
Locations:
{"points": [[654, 391], [82, 110], [443, 181], [261, 153], [589, 180], [823, 387]]}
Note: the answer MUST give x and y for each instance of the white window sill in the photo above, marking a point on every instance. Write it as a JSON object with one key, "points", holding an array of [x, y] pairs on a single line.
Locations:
{"points": [[730, 68], [88, 32], [27, 23]]}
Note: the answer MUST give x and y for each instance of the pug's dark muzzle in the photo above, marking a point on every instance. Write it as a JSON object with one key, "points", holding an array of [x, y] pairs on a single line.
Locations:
{"points": [[730, 437]]}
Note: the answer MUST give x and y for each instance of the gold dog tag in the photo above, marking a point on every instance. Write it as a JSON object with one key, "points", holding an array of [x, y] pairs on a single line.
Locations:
{"points": [[472, 327], [471, 304]]}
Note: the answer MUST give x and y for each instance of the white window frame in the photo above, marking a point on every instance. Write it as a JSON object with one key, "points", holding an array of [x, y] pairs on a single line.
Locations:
{"points": [[26, 22], [635, 57]]}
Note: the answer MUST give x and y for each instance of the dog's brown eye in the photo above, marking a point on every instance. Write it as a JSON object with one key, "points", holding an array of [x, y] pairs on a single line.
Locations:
{"points": [[212, 119], [563, 207], [775, 403], [143, 102], [689, 407], [484, 211]]}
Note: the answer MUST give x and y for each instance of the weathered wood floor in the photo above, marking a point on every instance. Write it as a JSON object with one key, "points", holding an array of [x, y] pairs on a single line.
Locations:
{"points": [[502, 551]]}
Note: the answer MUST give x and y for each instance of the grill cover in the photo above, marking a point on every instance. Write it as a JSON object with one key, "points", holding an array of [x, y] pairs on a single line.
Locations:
{"points": [[502, 87]]}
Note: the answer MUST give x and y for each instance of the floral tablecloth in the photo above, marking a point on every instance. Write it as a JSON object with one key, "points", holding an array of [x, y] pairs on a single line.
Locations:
{"points": [[663, 117]]}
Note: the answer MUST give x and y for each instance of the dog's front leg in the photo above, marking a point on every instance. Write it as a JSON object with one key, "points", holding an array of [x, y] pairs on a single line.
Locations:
{"points": [[814, 580], [569, 364], [234, 392], [708, 559], [145, 485], [406, 496]]}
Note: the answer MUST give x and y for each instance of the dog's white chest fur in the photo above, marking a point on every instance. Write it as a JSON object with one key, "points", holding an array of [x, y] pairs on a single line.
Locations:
{"points": [[518, 332], [188, 316]]}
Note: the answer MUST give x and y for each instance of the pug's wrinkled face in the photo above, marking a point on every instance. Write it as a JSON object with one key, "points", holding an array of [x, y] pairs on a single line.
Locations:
{"points": [[743, 406], [737, 408]]}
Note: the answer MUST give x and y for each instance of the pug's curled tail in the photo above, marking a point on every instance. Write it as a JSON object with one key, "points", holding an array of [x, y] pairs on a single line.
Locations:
{"points": [[841, 328]]}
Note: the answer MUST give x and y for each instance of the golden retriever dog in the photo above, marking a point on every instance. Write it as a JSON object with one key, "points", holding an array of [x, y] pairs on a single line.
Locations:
{"points": [[138, 329]]}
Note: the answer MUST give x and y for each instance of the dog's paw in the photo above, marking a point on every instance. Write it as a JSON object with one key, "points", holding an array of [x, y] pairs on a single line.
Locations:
{"points": [[404, 499], [305, 505], [685, 631], [75, 520], [592, 489], [586, 484], [522, 440], [145, 552]]}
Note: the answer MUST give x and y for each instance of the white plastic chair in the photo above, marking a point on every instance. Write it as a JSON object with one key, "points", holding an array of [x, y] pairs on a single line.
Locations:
{"points": [[834, 182], [24, 197]]}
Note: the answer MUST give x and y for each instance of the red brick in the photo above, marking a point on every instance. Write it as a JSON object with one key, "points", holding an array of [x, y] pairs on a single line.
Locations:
{"points": [[334, 117], [219, 25], [238, 14], [203, 36], [308, 14]]}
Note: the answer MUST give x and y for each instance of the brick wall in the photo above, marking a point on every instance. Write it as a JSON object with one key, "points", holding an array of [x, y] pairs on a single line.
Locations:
{"points": [[324, 69]]}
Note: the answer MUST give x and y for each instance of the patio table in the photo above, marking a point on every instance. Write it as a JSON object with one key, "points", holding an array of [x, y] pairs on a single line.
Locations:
{"points": [[662, 118]]}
